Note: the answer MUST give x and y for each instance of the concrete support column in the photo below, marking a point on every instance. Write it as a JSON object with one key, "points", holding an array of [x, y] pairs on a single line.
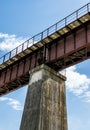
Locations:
{"points": [[45, 106]]}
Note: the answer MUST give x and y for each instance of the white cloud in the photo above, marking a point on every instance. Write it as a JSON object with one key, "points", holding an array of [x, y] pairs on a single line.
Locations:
{"points": [[8, 42], [15, 104], [78, 84], [3, 98], [86, 97]]}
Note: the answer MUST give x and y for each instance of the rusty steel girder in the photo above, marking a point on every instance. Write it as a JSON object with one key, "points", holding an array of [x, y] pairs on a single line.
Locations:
{"points": [[61, 49]]}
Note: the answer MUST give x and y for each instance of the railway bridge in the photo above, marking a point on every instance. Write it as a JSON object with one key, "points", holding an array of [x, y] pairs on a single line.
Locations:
{"points": [[64, 44]]}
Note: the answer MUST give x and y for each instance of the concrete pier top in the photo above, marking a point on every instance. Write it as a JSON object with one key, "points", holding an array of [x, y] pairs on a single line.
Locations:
{"points": [[43, 68]]}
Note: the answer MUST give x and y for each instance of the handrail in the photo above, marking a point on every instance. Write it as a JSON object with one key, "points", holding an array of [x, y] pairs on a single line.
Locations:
{"points": [[52, 29]]}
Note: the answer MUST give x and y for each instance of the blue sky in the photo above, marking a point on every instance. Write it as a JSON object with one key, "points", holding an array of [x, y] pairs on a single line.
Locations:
{"points": [[21, 19]]}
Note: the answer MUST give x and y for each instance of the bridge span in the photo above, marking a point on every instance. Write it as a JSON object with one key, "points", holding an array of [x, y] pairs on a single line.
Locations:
{"points": [[62, 45]]}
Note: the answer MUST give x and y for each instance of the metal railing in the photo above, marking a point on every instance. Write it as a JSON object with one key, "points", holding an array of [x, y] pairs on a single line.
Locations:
{"points": [[59, 25]]}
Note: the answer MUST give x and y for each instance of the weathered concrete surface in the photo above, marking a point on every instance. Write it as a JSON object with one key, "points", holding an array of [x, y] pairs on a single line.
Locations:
{"points": [[45, 106]]}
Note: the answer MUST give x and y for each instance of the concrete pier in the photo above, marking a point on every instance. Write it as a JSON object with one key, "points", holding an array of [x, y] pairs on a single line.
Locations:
{"points": [[45, 106]]}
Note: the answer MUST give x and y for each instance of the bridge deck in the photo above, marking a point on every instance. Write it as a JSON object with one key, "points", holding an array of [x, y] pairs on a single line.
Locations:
{"points": [[63, 44]]}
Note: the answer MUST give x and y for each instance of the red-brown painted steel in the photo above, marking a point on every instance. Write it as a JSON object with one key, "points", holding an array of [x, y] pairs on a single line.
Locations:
{"points": [[17, 75], [64, 51]]}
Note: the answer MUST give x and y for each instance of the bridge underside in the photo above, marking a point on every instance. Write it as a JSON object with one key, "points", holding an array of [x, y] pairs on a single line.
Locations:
{"points": [[67, 46]]}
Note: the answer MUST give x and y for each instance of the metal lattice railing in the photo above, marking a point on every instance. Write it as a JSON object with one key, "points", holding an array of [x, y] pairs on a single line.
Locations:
{"points": [[67, 20]]}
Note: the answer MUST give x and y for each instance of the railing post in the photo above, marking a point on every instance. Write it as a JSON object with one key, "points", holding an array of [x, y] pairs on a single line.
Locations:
{"points": [[47, 31], [16, 50], [10, 55], [33, 40], [4, 58], [23, 46], [56, 26], [88, 7], [76, 14], [41, 35], [27, 43], [65, 21]]}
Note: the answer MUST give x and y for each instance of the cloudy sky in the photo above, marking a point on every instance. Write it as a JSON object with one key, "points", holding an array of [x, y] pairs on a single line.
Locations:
{"points": [[21, 19]]}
